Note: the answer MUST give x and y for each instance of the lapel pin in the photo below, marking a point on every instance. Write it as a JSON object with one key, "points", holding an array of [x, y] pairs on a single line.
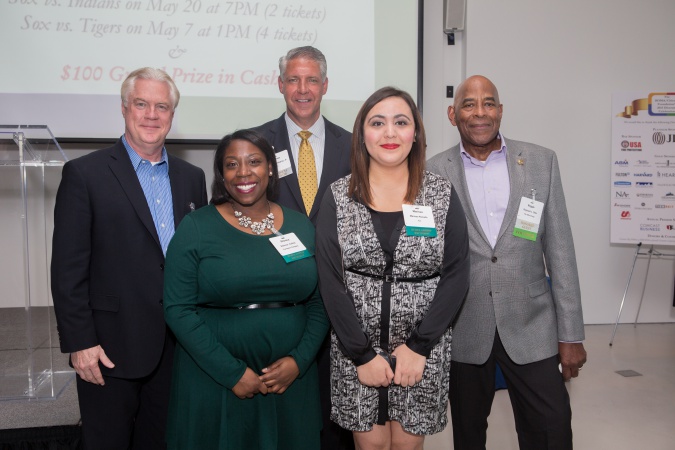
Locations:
{"points": [[192, 206], [521, 161]]}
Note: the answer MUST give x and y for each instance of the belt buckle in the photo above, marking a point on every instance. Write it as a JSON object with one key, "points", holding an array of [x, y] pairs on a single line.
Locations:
{"points": [[390, 278]]}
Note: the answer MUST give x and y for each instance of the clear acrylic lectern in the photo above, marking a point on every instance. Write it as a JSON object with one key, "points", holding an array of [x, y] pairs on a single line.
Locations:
{"points": [[31, 365]]}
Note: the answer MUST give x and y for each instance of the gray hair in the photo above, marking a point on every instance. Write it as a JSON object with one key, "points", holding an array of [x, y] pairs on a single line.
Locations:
{"points": [[149, 73], [308, 52]]}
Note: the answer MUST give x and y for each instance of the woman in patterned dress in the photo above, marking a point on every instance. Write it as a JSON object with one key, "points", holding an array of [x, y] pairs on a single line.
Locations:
{"points": [[391, 287]]}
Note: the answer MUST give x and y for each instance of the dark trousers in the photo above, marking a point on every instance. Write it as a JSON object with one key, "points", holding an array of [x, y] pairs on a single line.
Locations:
{"points": [[541, 405], [127, 414], [333, 436]]}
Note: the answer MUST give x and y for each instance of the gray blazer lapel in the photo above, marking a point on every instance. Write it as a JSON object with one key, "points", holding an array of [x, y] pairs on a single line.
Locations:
{"points": [[516, 182], [456, 167]]}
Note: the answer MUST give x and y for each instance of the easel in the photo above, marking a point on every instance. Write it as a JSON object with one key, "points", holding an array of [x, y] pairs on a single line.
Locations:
{"points": [[651, 252]]}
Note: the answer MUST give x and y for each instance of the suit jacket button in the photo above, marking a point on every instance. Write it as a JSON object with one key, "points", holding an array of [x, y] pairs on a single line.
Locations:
{"points": [[490, 293], [161, 266], [161, 302], [494, 259]]}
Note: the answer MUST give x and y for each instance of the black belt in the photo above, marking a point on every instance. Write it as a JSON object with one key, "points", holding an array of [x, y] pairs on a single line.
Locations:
{"points": [[268, 305], [394, 278]]}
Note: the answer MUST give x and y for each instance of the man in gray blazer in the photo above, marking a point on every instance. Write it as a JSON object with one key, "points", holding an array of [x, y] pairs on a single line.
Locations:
{"points": [[518, 232], [303, 83]]}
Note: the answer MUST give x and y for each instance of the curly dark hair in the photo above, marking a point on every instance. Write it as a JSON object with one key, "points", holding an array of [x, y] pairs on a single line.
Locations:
{"points": [[219, 194]]}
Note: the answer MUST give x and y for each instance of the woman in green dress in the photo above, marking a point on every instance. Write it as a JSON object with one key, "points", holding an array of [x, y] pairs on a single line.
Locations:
{"points": [[241, 296]]}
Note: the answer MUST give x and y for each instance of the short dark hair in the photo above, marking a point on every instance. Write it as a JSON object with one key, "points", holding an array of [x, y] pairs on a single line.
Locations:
{"points": [[359, 185], [219, 194]]}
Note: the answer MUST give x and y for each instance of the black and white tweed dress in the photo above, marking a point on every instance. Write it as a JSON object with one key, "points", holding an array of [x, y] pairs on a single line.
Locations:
{"points": [[421, 409]]}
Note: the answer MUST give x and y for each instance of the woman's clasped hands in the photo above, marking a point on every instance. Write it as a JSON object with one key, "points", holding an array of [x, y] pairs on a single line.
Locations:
{"points": [[276, 378], [409, 369]]}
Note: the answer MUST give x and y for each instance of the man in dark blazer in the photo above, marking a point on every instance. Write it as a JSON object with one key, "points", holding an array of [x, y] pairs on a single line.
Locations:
{"points": [[511, 315], [116, 211], [303, 83]]}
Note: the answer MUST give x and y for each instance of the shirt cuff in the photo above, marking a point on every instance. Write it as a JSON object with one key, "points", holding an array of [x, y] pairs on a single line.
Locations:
{"points": [[366, 358]]}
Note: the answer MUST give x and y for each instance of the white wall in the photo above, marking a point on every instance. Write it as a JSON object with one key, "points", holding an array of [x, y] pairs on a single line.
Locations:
{"points": [[556, 65]]}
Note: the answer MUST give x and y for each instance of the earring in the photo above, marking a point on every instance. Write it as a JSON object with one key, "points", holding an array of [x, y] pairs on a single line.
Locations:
{"points": [[270, 173]]}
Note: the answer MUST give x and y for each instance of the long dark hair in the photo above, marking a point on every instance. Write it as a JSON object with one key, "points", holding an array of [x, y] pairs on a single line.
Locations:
{"points": [[359, 185], [219, 194]]}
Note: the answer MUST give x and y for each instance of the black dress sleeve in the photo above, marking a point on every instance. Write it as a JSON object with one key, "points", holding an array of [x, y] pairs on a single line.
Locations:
{"points": [[452, 286], [337, 301]]}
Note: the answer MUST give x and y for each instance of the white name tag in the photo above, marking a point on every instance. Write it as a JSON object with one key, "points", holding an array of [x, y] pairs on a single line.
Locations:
{"points": [[284, 164], [419, 220], [528, 219], [290, 247]]}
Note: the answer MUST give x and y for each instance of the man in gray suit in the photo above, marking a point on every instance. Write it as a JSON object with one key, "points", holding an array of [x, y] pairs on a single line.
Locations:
{"points": [[303, 82], [518, 231]]}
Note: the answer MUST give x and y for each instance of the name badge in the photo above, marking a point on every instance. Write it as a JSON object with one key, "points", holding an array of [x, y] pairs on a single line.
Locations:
{"points": [[419, 221], [290, 247], [284, 164], [528, 219]]}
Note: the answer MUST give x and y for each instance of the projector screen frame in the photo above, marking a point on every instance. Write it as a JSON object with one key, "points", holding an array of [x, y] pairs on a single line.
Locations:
{"points": [[34, 101]]}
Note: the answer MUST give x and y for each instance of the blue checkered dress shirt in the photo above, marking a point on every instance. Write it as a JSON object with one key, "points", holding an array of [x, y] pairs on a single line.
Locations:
{"points": [[154, 179]]}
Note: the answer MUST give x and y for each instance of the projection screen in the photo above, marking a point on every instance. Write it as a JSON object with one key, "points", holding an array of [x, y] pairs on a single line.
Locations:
{"points": [[65, 60]]}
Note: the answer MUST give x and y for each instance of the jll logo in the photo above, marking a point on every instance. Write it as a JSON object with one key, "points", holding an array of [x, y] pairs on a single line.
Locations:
{"points": [[659, 138]]}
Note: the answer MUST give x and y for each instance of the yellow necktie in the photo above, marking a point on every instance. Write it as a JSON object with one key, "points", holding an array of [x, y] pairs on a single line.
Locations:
{"points": [[307, 171]]}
